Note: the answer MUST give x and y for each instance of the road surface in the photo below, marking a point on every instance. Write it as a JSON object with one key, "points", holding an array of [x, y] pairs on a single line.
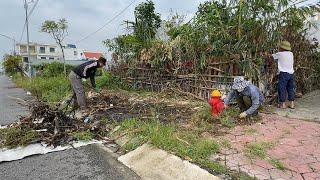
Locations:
{"points": [[89, 162]]}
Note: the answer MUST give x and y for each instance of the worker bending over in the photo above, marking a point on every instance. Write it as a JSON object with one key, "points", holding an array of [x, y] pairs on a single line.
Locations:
{"points": [[85, 70]]}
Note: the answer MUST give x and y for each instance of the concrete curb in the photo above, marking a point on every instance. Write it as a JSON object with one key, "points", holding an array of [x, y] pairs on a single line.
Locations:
{"points": [[151, 163]]}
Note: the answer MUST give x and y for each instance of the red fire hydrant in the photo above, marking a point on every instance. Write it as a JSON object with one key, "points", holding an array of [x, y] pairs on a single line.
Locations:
{"points": [[216, 103]]}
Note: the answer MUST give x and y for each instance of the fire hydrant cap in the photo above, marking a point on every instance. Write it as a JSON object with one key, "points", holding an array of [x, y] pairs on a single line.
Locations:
{"points": [[216, 93]]}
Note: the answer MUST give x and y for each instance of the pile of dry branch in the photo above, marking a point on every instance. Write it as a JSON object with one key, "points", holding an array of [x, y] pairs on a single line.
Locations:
{"points": [[118, 107], [55, 127]]}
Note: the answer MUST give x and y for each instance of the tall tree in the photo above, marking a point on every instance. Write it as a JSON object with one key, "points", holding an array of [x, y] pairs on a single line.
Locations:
{"points": [[58, 31], [147, 21]]}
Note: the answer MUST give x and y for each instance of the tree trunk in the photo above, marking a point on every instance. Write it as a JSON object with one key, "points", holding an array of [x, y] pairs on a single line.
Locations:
{"points": [[64, 60]]}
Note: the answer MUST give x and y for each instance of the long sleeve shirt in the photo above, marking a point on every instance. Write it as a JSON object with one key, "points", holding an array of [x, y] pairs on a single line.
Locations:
{"points": [[87, 70], [250, 91]]}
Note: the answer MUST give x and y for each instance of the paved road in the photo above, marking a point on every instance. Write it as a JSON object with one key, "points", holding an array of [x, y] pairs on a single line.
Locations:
{"points": [[10, 107], [89, 162]]}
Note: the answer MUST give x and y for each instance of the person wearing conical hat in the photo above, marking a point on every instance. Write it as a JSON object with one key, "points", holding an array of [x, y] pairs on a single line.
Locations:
{"points": [[286, 82], [249, 97]]}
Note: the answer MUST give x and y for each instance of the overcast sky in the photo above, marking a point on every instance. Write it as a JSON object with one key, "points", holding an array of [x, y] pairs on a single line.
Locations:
{"points": [[83, 16]]}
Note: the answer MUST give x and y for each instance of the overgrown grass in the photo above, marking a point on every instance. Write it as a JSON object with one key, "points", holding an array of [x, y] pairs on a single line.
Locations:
{"points": [[83, 136], [13, 137], [226, 118], [186, 144], [50, 90]]}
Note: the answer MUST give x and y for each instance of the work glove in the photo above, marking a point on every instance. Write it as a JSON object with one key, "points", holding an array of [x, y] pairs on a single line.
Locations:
{"points": [[243, 115], [97, 89]]}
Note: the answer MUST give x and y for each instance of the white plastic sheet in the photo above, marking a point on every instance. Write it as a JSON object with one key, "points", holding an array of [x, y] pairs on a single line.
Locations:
{"points": [[7, 155]]}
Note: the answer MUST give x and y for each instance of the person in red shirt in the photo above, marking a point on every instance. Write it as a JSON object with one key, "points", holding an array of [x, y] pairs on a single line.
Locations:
{"points": [[216, 103]]}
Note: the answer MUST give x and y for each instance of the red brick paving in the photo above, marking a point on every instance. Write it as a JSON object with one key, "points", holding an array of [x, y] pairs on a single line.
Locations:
{"points": [[296, 146]]}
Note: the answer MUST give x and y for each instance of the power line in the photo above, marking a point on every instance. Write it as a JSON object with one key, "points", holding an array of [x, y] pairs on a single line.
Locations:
{"points": [[116, 16], [25, 23]]}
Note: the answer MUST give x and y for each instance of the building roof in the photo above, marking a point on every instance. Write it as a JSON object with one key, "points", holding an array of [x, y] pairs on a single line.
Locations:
{"points": [[92, 55]]}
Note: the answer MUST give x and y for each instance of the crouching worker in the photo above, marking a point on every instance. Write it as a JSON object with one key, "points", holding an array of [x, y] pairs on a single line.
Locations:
{"points": [[85, 70], [216, 103], [249, 97]]}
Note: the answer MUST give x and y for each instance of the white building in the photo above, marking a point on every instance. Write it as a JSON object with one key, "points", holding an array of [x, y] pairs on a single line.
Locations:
{"points": [[38, 52], [46, 53], [314, 32]]}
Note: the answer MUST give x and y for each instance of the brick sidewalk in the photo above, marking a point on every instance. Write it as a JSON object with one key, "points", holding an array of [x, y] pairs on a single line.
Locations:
{"points": [[291, 145]]}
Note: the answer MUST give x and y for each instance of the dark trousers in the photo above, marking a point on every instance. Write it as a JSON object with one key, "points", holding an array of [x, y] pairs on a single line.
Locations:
{"points": [[244, 103], [286, 85]]}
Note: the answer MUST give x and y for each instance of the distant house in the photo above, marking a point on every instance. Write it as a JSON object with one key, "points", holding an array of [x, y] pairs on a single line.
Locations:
{"points": [[46, 53], [38, 52], [92, 55]]}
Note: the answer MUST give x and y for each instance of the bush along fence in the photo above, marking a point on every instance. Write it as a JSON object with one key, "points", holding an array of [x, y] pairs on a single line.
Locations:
{"points": [[223, 39], [218, 74]]}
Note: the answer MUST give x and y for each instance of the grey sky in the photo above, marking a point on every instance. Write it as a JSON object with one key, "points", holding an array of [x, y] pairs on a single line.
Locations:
{"points": [[84, 17]]}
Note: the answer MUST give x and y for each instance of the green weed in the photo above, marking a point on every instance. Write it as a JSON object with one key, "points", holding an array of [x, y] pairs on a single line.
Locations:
{"points": [[82, 136], [251, 131], [254, 150], [276, 163], [259, 150], [185, 144], [225, 143], [13, 137], [226, 118]]}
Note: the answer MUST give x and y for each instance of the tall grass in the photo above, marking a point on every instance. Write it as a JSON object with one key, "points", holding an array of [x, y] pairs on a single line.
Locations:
{"points": [[186, 144], [50, 90]]}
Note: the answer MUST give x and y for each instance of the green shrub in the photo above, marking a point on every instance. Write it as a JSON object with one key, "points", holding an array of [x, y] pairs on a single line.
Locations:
{"points": [[12, 64], [53, 69], [110, 81]]}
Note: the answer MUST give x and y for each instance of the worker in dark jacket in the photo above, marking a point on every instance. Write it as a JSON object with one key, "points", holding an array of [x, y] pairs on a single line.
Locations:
{"points": [[85, 70], [249, 97]]}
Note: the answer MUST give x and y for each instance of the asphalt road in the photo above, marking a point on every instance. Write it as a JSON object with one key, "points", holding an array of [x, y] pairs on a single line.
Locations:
{"points": [[90, 162], [10, 101]]}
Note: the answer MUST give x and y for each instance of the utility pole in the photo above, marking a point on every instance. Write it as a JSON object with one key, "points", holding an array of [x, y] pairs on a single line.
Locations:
{"points": [[28, 42]]}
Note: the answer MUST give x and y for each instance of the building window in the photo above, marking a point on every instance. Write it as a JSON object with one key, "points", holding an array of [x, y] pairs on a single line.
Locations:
{"points": [[52, 50], [75, 53], [25, 59], [23, 49], [42, 50], [43, 58], [51, 58], [32, 49]]}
